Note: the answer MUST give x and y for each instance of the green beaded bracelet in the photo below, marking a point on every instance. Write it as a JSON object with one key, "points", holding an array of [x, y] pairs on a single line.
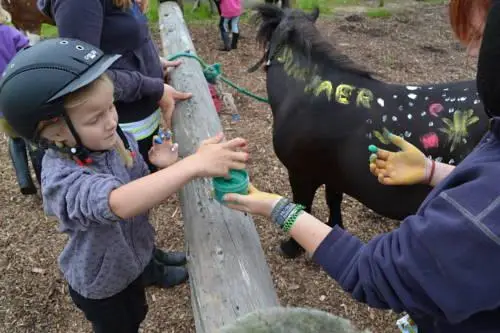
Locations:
{"points": [[292, 218]]}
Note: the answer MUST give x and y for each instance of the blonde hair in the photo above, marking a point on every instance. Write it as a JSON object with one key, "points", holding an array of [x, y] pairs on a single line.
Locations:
{"points": [[123, 4], [5, 17], [82, 95]]}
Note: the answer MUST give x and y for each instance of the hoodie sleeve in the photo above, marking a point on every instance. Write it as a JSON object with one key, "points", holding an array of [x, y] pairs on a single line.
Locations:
{"points": [[77, 196], [20, 40], [84, 20], [442, 263]]}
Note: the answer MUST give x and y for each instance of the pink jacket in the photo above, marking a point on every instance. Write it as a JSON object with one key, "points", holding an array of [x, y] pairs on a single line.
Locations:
{"points": [[230, 8]]}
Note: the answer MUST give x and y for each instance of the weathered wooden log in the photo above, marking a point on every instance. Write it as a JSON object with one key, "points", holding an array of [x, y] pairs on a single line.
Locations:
{"points": [[229, 276], [290, 320]]}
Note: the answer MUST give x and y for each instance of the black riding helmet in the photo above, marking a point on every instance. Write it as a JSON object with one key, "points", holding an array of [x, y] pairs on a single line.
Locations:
{"points": [[37, 79]]}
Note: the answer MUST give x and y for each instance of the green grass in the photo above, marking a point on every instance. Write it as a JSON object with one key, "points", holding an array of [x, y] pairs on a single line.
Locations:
{"points": [[152, 12], [378, 13], [49, 31], [323, 5], [201, 14]]}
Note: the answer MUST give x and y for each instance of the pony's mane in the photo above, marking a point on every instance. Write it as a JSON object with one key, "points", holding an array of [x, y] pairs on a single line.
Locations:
{"points": [[296, 28]]}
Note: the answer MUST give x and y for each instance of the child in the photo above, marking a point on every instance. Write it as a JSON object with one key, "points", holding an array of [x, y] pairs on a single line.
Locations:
{"points": [[11, 41], [93, 178], [230, 11]]}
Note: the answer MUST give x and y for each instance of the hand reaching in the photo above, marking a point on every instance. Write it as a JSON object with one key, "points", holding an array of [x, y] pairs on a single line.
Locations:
{"points": [[216, 158], [255, 202], [164, 152], [166, 64], [404, 167], [167, 103]]}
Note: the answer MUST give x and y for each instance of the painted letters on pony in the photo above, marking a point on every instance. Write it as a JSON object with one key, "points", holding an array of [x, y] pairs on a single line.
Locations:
{"points": [[327, 111]]}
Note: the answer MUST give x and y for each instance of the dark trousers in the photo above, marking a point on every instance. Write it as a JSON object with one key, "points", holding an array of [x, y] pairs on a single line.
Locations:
{"points": [[120, 313]]}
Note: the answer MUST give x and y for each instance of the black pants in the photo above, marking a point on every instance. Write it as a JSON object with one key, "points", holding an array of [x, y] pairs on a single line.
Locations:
{"points": [[121, 313]]}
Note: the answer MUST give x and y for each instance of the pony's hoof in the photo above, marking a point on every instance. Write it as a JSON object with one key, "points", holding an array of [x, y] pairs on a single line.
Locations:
{"points": [[290, 250]]}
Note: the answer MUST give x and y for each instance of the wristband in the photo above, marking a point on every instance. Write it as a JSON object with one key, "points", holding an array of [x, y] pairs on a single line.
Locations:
{"points": [[277, 208], [284, 213]]}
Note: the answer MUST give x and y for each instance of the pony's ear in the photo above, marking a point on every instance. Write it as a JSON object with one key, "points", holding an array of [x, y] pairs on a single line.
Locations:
{"points": [[314, 14]]}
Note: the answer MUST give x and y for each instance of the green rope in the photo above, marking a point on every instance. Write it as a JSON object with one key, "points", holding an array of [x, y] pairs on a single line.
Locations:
{"points": [[213, 72]]}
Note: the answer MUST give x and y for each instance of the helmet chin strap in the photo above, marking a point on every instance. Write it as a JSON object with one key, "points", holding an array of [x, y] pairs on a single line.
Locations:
{"points": [[79, 152]]}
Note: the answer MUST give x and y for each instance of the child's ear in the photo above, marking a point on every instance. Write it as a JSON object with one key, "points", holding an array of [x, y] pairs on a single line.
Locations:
{"points": [[488, 67], [55, 132]]}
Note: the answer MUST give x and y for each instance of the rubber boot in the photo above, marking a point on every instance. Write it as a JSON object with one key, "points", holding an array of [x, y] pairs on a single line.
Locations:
{"points": [[17, 152], [36, 156], [226, 42], [234, 42]]}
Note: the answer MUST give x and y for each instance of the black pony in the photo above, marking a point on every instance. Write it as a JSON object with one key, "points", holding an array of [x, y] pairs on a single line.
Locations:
{"points": [[327, 111]]}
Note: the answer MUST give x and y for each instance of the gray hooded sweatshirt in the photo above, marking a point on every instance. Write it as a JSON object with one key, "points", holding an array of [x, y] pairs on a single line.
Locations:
{"points": [[104, 253]]}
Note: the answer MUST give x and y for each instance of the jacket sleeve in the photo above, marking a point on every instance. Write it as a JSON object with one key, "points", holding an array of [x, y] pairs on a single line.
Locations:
{"points": [[438, 263], [77, 196], [83, 20], [20, 41]]}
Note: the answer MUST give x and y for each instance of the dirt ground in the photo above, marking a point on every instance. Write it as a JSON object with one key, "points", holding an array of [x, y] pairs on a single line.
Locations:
{"points": [[411, 47]]}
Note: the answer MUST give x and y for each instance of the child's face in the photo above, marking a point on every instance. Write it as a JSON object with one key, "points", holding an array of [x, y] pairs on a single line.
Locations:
{"points": [[94, 120]]}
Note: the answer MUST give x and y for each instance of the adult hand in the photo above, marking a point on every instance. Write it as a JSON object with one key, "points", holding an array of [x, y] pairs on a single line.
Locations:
{"points": [[255, 202], [166, 64], [405, 167], [167, 103]]}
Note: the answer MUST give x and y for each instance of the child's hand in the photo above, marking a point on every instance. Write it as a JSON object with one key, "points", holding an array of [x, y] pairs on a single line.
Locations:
{"points": [[405, 167], [215, 158], [167, 103], [163, 153]]}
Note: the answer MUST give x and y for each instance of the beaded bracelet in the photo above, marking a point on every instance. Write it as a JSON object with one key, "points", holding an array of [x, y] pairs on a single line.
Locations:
{"points": [[292, 218]]}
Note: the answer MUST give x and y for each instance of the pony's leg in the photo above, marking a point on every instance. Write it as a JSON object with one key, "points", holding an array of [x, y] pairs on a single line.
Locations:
{"points": [[334, 201], [303, 189]]}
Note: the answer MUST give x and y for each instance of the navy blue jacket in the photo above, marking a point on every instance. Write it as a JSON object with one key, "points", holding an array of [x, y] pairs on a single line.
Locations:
{"points": [[138, 75], [442, 265]]}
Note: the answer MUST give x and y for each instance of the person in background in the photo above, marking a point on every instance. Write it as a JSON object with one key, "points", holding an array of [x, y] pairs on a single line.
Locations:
{"points": [[140, 92], [11, 42], [230, 11], [442, 264]]}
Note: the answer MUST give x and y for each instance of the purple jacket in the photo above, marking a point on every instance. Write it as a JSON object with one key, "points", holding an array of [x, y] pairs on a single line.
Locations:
{"points": [[104, 253], [11, 41], [137, 75], [442, 265]]}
